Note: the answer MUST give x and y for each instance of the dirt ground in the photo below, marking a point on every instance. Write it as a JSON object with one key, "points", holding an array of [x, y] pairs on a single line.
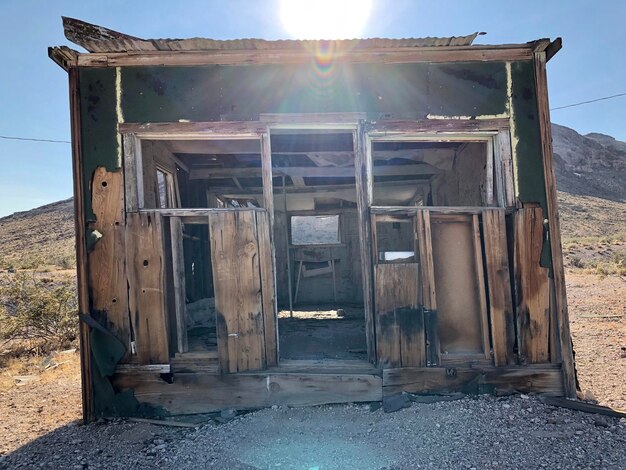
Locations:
{"points": [[597, 307], [43, 410]]}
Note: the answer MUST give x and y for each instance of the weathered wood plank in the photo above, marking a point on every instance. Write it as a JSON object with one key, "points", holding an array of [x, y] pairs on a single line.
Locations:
{"points": [[437, 126], [132, 146], [238, 298], [504, 169], [107, 260], [429, 298], [203, 393], [180, 295], [473, 380], [363, 199], [268, 290], [145, 267], [532, 290], [482, 286], [294, 56], [584, 407], [562, 316], [399, 321], [199, 130], [499, 287]]}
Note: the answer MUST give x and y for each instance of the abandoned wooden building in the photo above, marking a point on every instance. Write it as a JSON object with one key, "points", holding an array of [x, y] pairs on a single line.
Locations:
{"points": [[308, 222]]}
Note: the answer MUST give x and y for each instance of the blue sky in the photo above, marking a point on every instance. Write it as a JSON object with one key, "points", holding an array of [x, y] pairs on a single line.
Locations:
{"points": [[34, 94]]}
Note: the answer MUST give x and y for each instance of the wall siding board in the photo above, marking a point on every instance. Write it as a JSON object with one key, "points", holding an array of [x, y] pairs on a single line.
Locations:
{"points": [[238, 298], [532, 289], [107, 259], [146, 295]]}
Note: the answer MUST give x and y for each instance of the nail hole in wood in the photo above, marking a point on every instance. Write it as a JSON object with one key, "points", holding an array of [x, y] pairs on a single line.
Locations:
{"points": [[145, 263]]}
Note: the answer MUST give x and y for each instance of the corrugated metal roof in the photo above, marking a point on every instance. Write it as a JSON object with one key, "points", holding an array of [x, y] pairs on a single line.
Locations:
{"points": [[96, 38]]}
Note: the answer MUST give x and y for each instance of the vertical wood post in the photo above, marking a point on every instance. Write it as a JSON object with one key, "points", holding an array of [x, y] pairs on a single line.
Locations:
{"points": [[81, 247], [562, 316], [362, 167], [268, 200]]}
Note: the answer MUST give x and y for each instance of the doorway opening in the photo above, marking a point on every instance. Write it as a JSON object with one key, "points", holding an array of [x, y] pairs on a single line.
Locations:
{"points": [[316, 236]]}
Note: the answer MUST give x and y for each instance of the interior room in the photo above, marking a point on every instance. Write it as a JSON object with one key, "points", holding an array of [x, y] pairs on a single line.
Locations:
{"points": [[316, 232]]}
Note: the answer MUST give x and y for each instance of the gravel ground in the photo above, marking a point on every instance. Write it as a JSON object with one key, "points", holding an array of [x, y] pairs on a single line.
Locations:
{"points": [[474, 432]]}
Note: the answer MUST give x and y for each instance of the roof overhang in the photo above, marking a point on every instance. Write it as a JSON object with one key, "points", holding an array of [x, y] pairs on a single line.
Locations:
{"points": [[108, 48]]}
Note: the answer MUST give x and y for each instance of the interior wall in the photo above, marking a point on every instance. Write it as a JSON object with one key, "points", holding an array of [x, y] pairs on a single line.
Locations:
{"points": [[464, 183], [319, 289]]}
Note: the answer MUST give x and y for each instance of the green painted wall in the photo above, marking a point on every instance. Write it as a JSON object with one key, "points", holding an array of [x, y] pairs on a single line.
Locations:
{"points": [[211, 93]]}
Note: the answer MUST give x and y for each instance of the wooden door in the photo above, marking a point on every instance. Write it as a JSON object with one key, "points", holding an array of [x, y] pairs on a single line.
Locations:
{"points": [[244, 290]]}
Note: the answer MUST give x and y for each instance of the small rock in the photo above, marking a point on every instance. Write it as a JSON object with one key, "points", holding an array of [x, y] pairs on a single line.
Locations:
{"points": [[228, 413], [601, 422], [396, 402]]}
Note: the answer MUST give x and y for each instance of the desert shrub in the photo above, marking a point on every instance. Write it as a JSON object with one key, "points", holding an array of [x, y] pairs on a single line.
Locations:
{"points": [[36, 311], [576, 262]]}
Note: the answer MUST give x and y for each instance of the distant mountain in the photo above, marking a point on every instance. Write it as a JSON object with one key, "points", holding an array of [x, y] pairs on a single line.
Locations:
{"points": [[41, 236], [590, 169], [589, 165]]}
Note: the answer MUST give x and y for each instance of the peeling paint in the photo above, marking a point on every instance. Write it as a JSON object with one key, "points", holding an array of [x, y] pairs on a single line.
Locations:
{"points": [[504, 115], [513, 129], [118, 111]]}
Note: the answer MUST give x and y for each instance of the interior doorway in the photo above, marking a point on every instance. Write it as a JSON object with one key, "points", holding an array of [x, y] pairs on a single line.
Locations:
{"points": [[316, 237]]}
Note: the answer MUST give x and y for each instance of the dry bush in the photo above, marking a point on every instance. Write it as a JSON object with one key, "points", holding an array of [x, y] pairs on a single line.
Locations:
{"points": [[37, 312]]}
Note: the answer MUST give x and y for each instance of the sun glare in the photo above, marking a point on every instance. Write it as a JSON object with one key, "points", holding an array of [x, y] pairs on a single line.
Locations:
{"points": [[325, 19]]}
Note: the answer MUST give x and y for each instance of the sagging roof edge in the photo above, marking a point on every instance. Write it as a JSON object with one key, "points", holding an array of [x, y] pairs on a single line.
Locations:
{"points": [[111, 48]]}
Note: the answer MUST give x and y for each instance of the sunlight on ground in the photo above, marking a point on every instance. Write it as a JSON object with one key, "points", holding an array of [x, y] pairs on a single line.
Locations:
{"points": [[308, 451]]}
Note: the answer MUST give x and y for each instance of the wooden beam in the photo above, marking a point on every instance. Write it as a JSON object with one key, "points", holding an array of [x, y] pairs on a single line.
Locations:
{"points": [[389, 55], [473, 380], [554, 228], [314, 171], [195, 130], [554, 47], [64, 57], [82, 267], [204, 393], [436, 127]]}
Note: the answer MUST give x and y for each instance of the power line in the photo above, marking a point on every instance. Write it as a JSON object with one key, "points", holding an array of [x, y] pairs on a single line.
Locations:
{"points": [[590, 101], [12, 137]]}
